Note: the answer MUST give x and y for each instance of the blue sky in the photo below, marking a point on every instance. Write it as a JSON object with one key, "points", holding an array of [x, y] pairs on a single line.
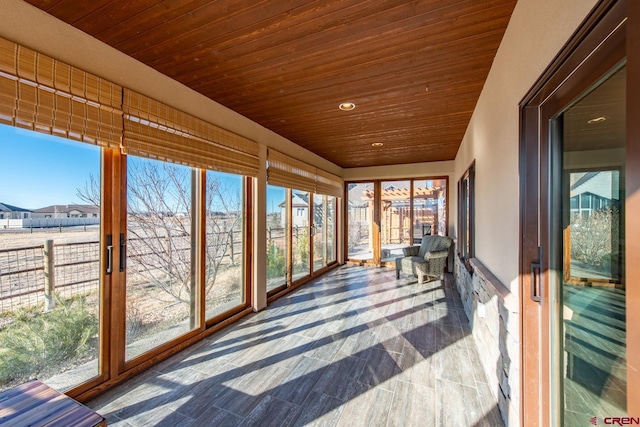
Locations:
{"points": [[38, 170]]}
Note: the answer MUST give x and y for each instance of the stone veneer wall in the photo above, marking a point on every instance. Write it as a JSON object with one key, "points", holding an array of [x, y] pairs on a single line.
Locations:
{"points": [[493, 313]]}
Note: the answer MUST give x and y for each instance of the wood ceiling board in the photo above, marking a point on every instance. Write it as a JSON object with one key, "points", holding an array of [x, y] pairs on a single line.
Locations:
{"points": [[207, 27], [421, 67], [70, 12], [101, 20], [156, 15], [270, 47], [287, 41], [330, 62], [287, 65]]}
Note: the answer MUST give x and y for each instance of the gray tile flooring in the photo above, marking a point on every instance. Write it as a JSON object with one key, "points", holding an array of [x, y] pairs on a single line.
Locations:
{"points": [[354, 348]]}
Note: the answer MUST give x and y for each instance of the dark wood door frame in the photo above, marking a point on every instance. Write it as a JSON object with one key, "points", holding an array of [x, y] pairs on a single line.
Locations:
{"points": [[609, 34]]}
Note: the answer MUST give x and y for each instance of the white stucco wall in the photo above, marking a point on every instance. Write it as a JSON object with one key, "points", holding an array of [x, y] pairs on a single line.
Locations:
{"points": [[537, 31]]}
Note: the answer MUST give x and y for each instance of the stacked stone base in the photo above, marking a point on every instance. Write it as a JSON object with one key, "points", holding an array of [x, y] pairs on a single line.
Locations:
{"points": [[493, 313]]}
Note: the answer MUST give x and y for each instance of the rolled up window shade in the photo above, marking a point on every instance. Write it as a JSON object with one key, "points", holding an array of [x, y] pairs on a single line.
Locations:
{"points": [[285, 171], [158, 131], [45, 95], [328, 183]]}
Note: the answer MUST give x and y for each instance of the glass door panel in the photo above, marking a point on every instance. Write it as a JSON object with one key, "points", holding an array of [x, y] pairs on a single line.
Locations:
{"points": [[320, 231], [160, 289], [331, 229], [277, 237], [360, 221], [429, 208], [224, 242], [395, 219], [301, 232], [592, 283], [50, 252]]}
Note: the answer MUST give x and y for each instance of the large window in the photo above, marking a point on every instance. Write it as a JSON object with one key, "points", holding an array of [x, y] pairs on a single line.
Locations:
{"points": [[384, 217], [360, 221], [395, 219], [302, 193], [331, 229], [160, 284], [466, 213], [429, 208], [278, 225], [319, 231], [301, 232], [50, 247], [224, 242]]}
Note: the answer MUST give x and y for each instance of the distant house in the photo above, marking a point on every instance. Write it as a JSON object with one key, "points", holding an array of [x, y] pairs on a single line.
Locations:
{"points": [[593, 191], [358, 203], [13, 212], [300, 211], [67, 211]]}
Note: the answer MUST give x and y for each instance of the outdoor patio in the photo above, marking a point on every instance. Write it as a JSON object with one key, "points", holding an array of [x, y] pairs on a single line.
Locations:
{"points": [[356, 347]]}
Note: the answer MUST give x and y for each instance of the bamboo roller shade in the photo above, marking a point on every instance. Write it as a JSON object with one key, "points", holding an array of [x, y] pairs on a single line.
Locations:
{"points": [[155, 130], [285, 171], [45, 95]]}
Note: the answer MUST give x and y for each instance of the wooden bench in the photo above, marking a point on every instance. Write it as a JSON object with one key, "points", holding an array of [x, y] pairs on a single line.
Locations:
{"points": [[36, 404]]}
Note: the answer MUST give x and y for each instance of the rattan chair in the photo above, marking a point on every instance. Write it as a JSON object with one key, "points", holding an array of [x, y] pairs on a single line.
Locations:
{"points": [[429, 260]]}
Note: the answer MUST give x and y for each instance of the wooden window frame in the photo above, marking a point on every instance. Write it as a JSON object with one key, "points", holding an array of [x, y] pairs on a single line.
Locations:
{"points": [[466, 215], [377, 187]]}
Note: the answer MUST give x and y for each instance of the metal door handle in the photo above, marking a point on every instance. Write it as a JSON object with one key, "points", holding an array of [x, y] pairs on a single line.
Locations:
{"points": [[109, 254], [536, 285], [123, 252]]}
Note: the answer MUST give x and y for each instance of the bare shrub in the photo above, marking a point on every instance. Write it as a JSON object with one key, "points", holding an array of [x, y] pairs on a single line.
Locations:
{"points": [[594, 238]]}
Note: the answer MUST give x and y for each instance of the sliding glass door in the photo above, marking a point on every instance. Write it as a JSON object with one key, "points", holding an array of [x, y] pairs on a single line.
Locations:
{"points": [[159, 280], [224, 242], [301, 235], [591, 284], [579, 169], [52, 240], [319, 232], [330, 229], [383, 217], [185, 227], [395, 219], [360, 222]]}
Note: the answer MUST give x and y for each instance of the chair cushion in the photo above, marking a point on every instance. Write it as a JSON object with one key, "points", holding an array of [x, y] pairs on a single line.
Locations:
{"points": [[434, 244], [411, 251]]}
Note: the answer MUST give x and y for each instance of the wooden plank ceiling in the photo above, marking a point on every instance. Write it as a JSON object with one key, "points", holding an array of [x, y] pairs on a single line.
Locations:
{"points": [[288, 64]]}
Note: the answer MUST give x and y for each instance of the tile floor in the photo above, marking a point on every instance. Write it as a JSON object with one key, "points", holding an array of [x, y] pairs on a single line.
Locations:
{"points": [[354, 348]]}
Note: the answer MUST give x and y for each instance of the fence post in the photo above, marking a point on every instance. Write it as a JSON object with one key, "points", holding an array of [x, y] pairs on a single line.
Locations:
{"points": [[49, 276], [233, 261], [168, 252]]}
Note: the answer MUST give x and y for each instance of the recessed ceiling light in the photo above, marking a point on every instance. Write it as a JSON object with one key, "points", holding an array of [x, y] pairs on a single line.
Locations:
{"points": [[347, 106], [377, 144], [597, 120]]}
